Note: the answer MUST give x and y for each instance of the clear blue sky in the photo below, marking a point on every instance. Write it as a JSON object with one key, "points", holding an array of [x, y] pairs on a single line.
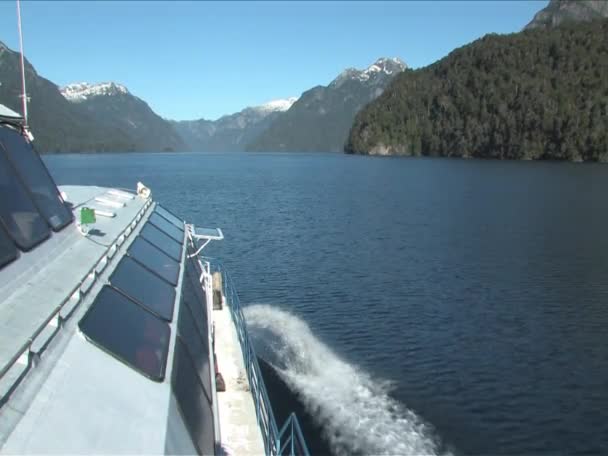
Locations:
{"points": [[204, 59]]}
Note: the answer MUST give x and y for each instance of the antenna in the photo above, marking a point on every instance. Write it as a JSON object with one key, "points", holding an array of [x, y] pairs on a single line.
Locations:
{"points": [[23, 94]]}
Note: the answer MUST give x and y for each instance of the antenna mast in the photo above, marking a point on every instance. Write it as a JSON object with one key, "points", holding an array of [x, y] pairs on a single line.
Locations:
{"points": [[23, 94]]}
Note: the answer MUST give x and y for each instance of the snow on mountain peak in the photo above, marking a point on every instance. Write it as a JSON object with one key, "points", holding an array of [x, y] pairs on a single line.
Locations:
{"points": [[81, 91], [277, 105], [382, 66]]}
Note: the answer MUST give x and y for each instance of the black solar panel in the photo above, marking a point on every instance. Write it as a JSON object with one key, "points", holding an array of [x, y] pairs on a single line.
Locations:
{"points": [[197, 344], [194, 297], [35, 176], [8, 251], [18, 213], [192, 369], [168, 227], [170, 217], [194, 403], [162, 240], [128, 332], [155, 260], [144, 287]]}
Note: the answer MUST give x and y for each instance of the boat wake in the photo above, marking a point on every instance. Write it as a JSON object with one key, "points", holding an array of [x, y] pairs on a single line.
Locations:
{"points": [[355, 411]]}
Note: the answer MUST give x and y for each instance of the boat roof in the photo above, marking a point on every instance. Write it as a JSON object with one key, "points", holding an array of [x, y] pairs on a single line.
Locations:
{"points": [[62, 388]]}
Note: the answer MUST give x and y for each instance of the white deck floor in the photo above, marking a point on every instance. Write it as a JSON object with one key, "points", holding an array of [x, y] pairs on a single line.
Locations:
{"points": [[240, 433]]}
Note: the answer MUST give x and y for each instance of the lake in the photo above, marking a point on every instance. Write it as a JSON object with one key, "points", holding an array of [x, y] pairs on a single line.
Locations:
{"points": [[412, 305]]}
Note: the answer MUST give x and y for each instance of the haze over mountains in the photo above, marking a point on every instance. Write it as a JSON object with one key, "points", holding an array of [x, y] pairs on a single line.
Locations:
{"points": [[231, 133]]}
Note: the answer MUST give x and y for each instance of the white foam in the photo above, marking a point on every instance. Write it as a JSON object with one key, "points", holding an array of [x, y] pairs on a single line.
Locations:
{"points": [[354, 410]]}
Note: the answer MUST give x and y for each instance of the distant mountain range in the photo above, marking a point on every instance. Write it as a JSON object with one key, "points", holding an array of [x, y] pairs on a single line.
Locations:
{"points": [[560, 11], [86, 117], [106, 117], [319, 121], [231, 133]]}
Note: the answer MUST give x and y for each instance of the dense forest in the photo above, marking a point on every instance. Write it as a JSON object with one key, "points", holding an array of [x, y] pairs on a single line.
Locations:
{"points": [[538, 94]]}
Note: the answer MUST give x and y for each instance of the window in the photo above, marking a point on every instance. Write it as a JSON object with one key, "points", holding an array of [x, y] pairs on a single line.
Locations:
{"points": [[18, 213], [8, 251], [196, 344], [168, 227], [128, 332], [162, 241], [194, 297], [194, 404], [154, 260], [35, 176], [144, 287], [191, 379], [169, 216]]}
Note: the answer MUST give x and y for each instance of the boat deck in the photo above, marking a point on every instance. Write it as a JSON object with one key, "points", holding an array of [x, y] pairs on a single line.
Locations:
{"points": [[240, 433]]}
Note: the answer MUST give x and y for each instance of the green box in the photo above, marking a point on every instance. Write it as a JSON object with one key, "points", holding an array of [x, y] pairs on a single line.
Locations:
{"points": [[87, 216]]}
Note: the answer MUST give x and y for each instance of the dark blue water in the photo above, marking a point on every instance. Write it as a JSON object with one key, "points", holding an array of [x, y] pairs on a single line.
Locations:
{"points": [[437, 303]]}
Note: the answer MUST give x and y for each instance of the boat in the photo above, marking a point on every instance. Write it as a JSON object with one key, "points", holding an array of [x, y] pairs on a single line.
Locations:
{"points": [[117, 334]]}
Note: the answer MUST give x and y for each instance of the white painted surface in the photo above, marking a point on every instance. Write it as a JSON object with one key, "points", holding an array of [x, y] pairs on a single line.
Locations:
{"points": [[239, 429]]}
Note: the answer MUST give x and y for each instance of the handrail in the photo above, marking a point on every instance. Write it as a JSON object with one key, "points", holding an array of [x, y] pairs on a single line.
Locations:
{"points": [[290, 439]]}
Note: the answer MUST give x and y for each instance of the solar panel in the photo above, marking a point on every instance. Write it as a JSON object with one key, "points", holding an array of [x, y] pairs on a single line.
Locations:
{"points": [[197, 344], [8, 251], [128, 332], [162, 240], [18, 213], [168, 227], [154, 259], [144, 287], [170, 216], [194, 297], [195, 405], [36, 177]]}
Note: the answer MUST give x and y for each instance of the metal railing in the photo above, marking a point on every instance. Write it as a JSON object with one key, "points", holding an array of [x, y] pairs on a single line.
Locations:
{"points": [[289, 440]]}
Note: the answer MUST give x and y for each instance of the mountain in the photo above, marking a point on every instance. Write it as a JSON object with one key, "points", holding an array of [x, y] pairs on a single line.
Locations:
{"points": [[319, 121], [233, 132], [84, 117], [539, 94], [560, 11], [114, 108], [56, 124]]}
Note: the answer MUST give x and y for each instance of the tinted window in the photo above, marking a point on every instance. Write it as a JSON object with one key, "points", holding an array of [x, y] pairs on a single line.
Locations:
{"points": [[197, 345], [167, 227], [155, 260], [8, 251], [194, 404], [36, 177], [127, 331], [195, 298], [170, 217], [144, 287], [17, 211], [162, 241]]}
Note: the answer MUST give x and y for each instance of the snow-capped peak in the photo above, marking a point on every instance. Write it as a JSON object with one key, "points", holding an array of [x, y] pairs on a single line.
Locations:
{"points": [[382, 66], [81, 91], [277, 105]]}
